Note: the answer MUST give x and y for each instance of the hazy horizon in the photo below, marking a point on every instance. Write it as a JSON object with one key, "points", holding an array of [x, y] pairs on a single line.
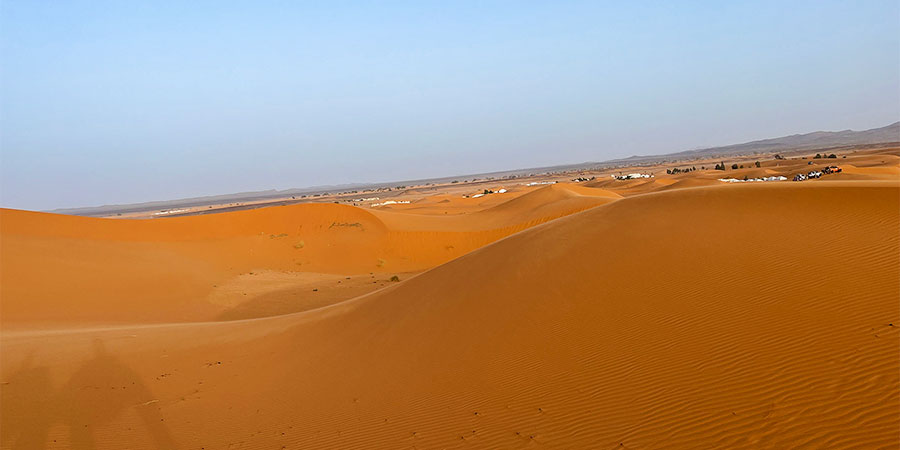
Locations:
{"points": [[109, 103], [392, 180]]}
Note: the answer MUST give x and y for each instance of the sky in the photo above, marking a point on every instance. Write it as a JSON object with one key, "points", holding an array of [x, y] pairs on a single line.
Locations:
{"points": [[123, 102]]}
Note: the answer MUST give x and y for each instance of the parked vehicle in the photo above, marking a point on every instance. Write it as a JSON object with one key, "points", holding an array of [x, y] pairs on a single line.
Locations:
{"points": [[816, 173]]}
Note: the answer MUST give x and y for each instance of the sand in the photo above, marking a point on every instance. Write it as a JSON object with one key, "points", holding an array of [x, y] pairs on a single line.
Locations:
{"points": [[66, 269], [661, 314]]}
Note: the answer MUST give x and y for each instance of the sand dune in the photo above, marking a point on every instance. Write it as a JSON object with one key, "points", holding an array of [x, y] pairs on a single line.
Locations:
{"points": [[66, 269], [740, 316], [689, 183], [517, 212], [625, 187]]}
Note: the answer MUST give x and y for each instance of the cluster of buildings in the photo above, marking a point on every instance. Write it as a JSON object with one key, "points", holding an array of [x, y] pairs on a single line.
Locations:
{"points": [[632, 176], [390, 202]]}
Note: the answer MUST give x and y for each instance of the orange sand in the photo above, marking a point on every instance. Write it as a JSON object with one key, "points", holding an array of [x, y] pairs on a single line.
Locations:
{"points": [[661, 314], [163, 270]]}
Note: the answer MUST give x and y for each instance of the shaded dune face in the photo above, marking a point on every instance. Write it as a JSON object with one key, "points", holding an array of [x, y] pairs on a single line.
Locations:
{"points": [[730, 317]]}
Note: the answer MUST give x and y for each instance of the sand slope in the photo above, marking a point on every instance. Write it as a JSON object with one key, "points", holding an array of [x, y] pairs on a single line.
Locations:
{"points": [[732, 317]]}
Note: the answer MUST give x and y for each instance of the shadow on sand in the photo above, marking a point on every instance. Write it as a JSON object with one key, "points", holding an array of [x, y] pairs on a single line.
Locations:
{"points": [[96, 394]]}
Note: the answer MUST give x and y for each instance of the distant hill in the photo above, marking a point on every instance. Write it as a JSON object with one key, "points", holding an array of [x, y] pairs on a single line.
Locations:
{"points": [[794, 142]]}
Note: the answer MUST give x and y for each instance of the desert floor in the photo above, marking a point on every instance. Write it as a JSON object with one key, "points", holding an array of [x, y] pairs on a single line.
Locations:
{"points": [[676, 311]]}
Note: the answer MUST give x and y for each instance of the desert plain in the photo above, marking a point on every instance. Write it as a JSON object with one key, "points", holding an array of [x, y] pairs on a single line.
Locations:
{"points": [[673, 311]]}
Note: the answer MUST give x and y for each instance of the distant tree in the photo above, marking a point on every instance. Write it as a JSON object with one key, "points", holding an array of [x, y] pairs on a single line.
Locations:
{"points": [[742, 166], [720, 166], [734, 167], [832, 155], [757, 164], [818, 156]]}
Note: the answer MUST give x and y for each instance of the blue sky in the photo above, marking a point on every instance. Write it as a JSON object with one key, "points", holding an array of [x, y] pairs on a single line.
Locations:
{"points": [[121, 102]]}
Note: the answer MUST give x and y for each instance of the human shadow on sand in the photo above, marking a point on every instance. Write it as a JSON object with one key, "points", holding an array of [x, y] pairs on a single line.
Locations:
{"points": [[101, 390]]}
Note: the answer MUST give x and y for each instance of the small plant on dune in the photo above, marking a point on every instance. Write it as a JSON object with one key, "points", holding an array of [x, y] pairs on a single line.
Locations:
{"points": [[299, 245], [381, 262], [395, 278]]}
